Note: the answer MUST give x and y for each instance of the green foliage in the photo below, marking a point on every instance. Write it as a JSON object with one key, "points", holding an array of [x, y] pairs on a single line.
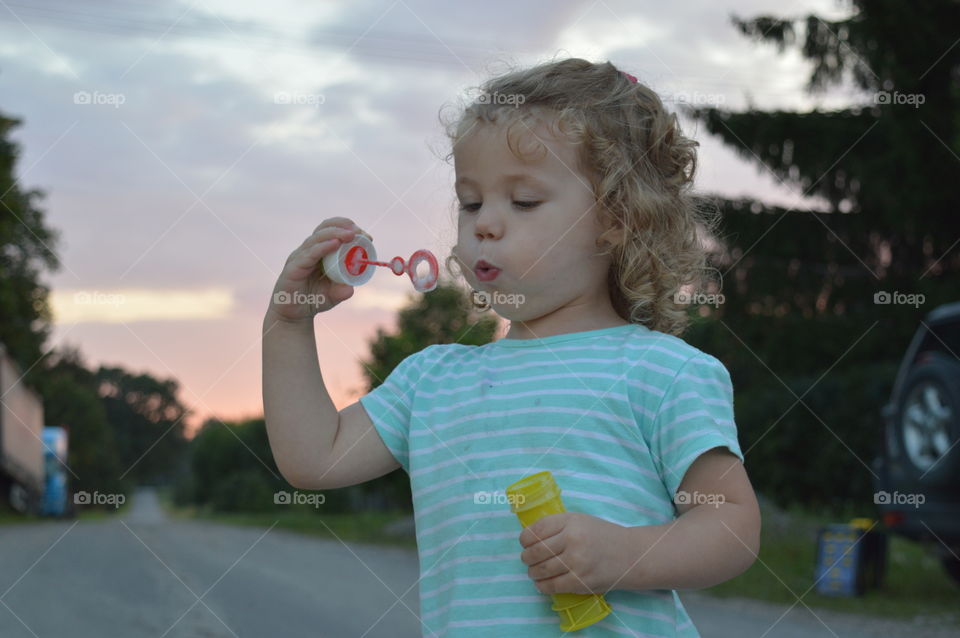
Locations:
{"points": [[231, 468], [26, 247], [799, 285], [70, 399], [147, 420], [444, 315]]}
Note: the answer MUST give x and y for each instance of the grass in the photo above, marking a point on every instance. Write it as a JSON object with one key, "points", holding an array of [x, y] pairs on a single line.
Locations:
{"points": [[9, 516], [915, 584], [362, 527]]}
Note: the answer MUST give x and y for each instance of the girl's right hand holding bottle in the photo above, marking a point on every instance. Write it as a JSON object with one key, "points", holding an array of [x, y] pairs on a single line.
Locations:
{"points": [[302, 290]]}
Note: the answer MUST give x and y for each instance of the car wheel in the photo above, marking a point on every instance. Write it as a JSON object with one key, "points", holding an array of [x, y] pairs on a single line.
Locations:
{"points": [[927, 421]]}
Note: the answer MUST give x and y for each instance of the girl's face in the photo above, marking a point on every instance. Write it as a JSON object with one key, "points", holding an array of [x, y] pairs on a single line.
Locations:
{"points": [[535, 221]]}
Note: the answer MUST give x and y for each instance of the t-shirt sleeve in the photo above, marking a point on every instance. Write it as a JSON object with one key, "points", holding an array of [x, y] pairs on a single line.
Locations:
{"points": [[390, 404], [695, 415]]}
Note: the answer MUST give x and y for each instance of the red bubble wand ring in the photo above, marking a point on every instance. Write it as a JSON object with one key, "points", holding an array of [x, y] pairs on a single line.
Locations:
{"points": [[350, 265]]}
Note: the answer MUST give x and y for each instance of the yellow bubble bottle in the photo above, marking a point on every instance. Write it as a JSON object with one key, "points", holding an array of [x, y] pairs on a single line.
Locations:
{"points": [[532, 498]]}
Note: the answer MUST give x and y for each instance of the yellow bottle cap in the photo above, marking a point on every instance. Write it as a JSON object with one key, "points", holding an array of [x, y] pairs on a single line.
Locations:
{"points": [[532, 491], [862, 523]]}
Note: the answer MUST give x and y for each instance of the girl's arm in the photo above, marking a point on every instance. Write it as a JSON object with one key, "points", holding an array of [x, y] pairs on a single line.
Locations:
{"points": [[715, 538], [301, 418]]}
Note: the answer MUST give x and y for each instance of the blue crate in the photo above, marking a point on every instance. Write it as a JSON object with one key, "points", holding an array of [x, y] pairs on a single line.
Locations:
{"points": [[849, 560]]}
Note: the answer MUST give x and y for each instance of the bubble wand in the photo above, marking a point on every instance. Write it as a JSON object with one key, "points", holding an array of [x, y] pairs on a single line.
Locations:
{"points": [[350, 265]]}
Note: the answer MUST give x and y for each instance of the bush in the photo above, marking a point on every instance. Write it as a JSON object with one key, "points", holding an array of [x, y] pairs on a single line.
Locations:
{"points": [[818, 456]]}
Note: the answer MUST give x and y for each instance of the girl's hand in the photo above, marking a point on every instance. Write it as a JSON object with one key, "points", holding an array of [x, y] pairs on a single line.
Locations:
{"points": [[574, 553], [302, 290]]}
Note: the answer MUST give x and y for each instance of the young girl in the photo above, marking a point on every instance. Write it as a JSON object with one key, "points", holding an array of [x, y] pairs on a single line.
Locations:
{"points": [[575, 224]]}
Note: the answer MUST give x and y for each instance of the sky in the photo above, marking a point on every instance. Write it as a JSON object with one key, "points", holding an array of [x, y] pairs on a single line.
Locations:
{"points": [[186, 148]]}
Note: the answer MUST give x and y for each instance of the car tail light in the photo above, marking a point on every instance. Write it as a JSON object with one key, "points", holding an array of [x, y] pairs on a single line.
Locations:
{"points": [[892, 518]]}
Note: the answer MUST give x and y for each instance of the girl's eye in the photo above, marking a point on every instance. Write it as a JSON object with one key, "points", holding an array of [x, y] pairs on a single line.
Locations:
{"points": [[527, 205], [523, 205]]}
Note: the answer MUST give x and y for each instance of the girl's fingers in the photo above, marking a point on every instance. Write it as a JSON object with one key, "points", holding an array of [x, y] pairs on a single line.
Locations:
{"points": [[338, 222], [306, 261]]}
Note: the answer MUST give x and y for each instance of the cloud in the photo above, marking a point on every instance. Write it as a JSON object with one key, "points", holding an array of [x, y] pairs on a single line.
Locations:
{"points": [[130, 305]]}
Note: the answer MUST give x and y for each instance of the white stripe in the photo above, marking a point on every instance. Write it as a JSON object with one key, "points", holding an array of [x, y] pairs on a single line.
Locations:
{"points": [[598, 414], [722, 425], [539, 429], [486, 397], [691, 435], [436, 568], [509, 578], [591, 497], [693, 395], [378, 420], [606, 623], [633, 363], [515, 472], [579, 376], [700, 450], [459, 519], [488, 622], [469, 537], [653, 517], [499, 600], [379, 399], [683, 418], [636, 342], [704, 380], [643, 613], [426, 471]]}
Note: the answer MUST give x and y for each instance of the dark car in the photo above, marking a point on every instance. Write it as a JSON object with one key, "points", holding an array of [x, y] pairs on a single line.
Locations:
{"points": [[918, 468]]}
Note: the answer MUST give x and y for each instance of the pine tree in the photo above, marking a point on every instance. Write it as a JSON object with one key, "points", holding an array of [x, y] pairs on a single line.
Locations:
{"points": [[800, 287]]}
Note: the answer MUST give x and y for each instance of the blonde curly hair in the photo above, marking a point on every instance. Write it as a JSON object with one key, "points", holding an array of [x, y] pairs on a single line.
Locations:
{"points": [[641, 168]]}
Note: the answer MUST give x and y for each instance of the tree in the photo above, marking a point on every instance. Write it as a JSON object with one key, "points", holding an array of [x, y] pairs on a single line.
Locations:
{"points": [[26, 248], [443, 315], [148, 422], [70, 399], [800, 286]]}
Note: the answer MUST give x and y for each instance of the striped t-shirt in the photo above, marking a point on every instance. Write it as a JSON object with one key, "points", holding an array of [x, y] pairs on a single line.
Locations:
{"points": [[616, 414]]}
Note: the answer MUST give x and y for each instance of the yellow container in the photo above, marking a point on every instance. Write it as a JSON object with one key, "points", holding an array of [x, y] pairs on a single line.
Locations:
{"points": [[532, 498]]}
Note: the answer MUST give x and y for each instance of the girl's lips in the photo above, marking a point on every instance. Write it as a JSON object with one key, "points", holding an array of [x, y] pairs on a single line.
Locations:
{"points": [[485, 271]]}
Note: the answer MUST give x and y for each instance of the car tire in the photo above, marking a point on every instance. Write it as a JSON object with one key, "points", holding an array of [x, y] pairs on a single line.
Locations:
{"points": [[928, 422]]}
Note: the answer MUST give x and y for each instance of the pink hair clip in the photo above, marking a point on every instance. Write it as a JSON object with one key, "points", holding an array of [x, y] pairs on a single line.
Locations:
{"points": [[629, 77]]}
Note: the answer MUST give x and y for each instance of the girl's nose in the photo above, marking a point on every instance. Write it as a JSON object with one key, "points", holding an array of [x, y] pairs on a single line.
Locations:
{"points": [[488, 224]]}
